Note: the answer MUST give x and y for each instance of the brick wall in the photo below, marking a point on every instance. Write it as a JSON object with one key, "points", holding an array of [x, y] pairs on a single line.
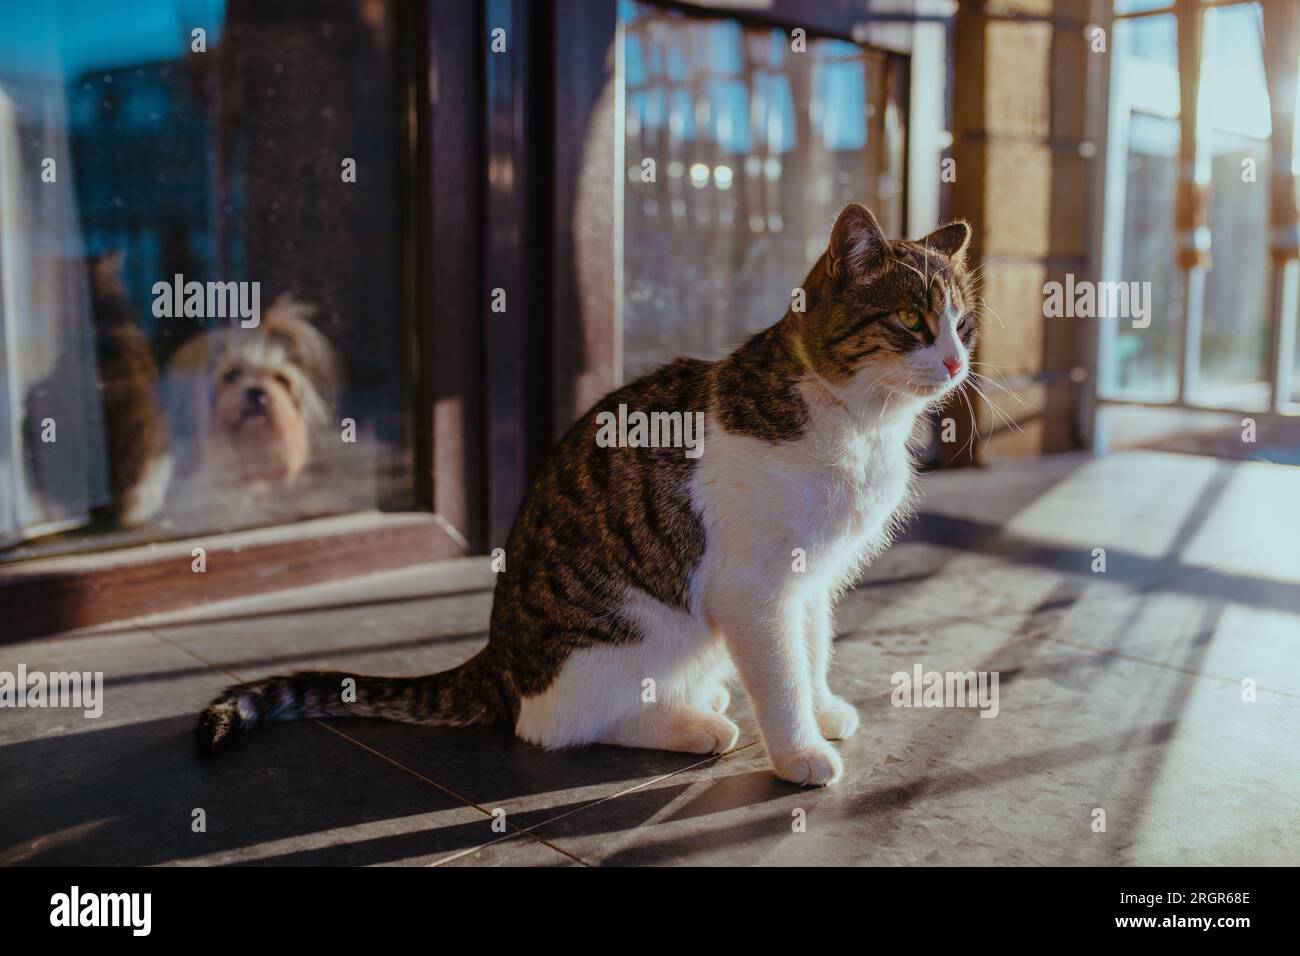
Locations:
{"points": [[1019, 139]]}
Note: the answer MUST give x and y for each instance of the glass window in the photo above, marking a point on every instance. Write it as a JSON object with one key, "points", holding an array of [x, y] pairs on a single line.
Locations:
{"points": [[1137, 6], [1144, 362], [1234, 127], [200, 308], [753, 148]]}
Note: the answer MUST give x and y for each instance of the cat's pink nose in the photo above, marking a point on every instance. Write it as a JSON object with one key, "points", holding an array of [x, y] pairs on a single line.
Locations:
{"points": [[953, 365]]}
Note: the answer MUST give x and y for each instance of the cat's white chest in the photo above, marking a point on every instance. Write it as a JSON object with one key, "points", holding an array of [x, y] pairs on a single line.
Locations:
{"points": [[821, 508], [859, 488]]}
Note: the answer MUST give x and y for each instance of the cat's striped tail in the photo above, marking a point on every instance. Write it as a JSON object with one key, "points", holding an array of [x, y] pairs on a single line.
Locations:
{"points": [[473, 693]]}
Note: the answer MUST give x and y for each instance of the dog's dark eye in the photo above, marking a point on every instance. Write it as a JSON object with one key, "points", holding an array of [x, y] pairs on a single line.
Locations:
{"points": [[282, 379], [232, 376]]}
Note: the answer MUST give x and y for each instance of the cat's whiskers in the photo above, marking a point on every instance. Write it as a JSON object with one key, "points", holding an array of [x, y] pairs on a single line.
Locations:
{"points": [[1003, 416], [983, 307], [969, 447], [984, 378]]}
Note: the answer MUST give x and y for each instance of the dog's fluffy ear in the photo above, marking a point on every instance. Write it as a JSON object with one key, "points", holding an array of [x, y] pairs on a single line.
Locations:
{"points": [[289, 320]]}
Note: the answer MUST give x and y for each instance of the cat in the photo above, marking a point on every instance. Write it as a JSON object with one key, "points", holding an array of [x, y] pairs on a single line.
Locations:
{"points": [[135, 441], [626, 565]]}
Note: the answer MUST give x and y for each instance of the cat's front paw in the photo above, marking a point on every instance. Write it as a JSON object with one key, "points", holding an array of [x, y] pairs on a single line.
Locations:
{"points": [[816, 766], [837, 718]]}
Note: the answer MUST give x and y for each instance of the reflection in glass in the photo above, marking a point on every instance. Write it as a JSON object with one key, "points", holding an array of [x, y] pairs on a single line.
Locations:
{"points": [[755, 149], [1234, 126], [196, 144], [1144, 86]]}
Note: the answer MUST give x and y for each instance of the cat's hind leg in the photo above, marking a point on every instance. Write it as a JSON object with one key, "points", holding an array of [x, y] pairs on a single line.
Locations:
{"points": [[664, 692], [684, 729]]}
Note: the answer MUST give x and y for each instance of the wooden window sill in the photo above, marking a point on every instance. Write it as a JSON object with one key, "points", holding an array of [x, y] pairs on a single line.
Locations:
{"points": [[46, 596]]}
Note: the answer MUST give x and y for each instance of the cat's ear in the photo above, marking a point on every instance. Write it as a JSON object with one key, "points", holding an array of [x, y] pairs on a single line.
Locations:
{"points": [[952, 240], [857, 247]]}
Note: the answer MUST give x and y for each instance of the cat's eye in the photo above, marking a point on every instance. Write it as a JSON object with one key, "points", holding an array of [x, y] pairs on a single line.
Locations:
{"points": [[910, 320]]}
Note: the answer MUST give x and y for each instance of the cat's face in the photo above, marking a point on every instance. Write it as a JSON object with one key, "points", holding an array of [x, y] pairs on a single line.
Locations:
{"points": [[896, 316]]}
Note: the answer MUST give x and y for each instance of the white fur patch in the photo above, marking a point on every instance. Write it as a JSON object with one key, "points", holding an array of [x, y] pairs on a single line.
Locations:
{"points": [[599, 687]]}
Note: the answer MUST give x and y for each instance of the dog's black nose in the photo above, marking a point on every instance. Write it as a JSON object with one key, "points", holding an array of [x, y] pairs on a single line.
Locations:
{"points": [[256, 395]]}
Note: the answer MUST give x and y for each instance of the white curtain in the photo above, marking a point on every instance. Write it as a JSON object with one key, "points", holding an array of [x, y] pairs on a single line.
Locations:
{"points": [[49, 381]]}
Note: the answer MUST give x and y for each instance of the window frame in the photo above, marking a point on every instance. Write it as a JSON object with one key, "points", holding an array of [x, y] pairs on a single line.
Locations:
{"points": [[1113, 119], [439, 144]]}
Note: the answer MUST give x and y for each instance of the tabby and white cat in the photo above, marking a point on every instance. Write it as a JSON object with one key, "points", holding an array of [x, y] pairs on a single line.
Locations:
{"points": [[633, 563]]}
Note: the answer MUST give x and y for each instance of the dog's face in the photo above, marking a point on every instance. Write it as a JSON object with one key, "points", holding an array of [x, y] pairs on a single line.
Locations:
{"points": [[263, 410], [252, 400]]}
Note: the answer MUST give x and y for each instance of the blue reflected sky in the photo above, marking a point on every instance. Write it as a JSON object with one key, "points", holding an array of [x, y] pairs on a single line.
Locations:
{"points": [[72, 37]]}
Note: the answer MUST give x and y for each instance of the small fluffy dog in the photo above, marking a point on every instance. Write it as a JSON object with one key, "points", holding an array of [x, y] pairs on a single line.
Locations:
{"points": [[247, 405]]}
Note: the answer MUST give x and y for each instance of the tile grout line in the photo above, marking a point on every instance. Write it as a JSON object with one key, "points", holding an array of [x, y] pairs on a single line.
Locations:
{"points": [[1103, 652], [334, 730], [465, 800], [713, 758]]}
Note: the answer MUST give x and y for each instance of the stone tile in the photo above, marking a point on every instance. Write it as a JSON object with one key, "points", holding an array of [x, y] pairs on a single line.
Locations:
{"points": [[1202, 620], [490, 768], [1224, 641], [1138, 506], [995, 493], [1250, 531], [1075, 732], [409, 622], [431, 629], [515, 850], [143, 680], [365, 596], [121, 789], [126, 795], [1158, 515]]}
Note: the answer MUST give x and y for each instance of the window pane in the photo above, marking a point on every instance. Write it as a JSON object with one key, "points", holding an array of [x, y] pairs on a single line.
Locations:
{"points": [[1144, 362], [754, 150], [171, 174], [1235, 125], [1136, 6]]}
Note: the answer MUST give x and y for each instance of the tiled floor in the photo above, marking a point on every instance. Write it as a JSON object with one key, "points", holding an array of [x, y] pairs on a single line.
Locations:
{"points": [[1118, 692]]}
